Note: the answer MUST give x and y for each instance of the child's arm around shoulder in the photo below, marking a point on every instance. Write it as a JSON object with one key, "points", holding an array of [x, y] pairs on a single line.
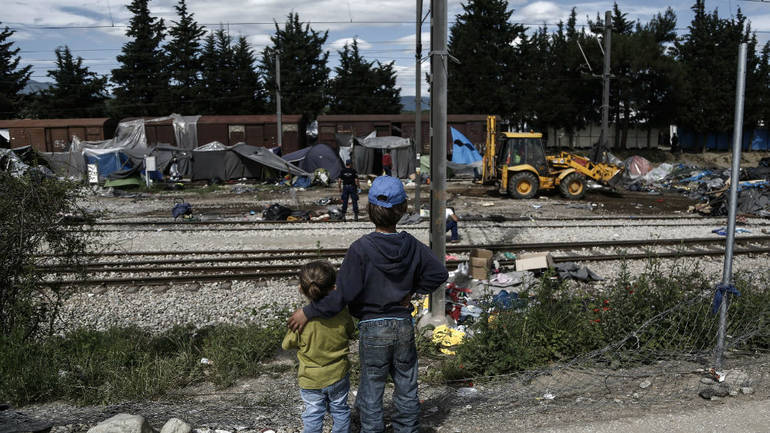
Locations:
{"points": [[432, 272]]}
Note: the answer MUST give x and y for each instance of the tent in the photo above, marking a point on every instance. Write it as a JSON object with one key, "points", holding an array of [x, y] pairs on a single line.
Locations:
{"points": [[217, 161], [463, 151], [317, 156], [367, 155]]}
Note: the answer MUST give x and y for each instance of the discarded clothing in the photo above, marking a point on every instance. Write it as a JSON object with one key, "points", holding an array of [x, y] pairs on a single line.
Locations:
{"points": [[276, 212], [181, 209], [722, 231], [572, 270], [447, 337]]}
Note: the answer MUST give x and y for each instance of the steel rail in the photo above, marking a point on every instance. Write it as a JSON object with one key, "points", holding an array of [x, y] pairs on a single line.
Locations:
{"points": [[289, 270], [291, 254]]}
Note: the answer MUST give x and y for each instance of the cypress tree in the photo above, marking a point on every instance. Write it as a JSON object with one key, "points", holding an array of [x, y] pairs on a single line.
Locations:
{"points": [[304, 71], [362, 87], [488, 46], [77, 92], [12, 78], [184, 64], [141, 81], [251, 98]]}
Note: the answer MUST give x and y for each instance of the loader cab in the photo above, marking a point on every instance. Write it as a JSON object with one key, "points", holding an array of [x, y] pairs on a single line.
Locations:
{"points": [[523, 148]]}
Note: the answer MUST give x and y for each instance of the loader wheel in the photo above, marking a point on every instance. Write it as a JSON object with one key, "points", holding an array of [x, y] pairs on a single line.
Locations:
{"points": [[523, 185], [573, 186]]}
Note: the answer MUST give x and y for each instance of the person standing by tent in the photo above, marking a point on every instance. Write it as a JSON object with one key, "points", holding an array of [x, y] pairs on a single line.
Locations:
{"points": [[387, 163], [348, 184]]}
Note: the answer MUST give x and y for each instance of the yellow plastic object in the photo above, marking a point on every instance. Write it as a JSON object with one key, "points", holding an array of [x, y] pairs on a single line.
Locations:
{"points": [[447, 337]]}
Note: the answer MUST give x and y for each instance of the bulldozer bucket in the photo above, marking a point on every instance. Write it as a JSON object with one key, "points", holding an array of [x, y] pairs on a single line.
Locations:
{"points": [[615, 181]]}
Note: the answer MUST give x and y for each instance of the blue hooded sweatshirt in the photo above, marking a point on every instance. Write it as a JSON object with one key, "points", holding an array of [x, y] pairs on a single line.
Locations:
{"points": [[378, 272]]}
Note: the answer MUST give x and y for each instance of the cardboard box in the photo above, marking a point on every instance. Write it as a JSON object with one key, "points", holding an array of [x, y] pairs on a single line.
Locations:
{"points": [[481, 257], [480, 262], [533, 261], [479, 272]]}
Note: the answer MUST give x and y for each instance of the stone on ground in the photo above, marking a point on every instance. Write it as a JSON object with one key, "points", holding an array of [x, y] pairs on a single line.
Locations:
{"points": [[176, 425], [123, 423]]}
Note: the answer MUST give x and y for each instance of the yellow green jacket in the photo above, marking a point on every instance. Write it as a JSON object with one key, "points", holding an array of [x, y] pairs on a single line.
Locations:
{"points": [[322, 350]]}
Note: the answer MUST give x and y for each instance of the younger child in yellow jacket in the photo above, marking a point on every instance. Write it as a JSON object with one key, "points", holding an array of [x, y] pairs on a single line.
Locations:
{"points": [[322, 350]]}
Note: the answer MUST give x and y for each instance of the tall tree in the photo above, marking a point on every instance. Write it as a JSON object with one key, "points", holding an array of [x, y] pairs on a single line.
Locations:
{"points": [[708, 54], [184, 65], [230, 82], [251, 98], [12, 77], [140, 81], [304, 70], [362, 86], [488, 46], [76, 92]]}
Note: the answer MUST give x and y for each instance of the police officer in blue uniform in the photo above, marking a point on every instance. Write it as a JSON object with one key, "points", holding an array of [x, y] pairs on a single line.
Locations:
{"points": [[348, 183]]}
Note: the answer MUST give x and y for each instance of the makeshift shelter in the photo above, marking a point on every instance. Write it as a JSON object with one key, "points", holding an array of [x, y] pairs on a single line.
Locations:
{"points": [[217, 161], [367, 155], [463, 151], [317, 156]]}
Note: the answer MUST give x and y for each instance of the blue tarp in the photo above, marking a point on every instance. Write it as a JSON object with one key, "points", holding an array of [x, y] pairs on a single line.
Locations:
{"points": [[465, 153], [108, 163], [758, 139]]}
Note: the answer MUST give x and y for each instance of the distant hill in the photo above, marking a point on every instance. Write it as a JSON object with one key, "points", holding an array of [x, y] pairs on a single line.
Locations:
{"points": [[407, 103], [36, 86]]}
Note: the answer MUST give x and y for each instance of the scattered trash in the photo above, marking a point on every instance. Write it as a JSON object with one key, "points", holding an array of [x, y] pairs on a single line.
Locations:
{"points": [[537, 206], [571, 270], [645, 384], [206, 361], [722, 231], [447, 337], [467, 392], [548, 396], [181, 209], [487, 204], [534, 261], [276, 212]]}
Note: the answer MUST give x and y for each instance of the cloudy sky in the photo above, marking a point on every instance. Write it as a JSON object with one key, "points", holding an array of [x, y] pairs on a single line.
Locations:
{"points": [[94, 29]]}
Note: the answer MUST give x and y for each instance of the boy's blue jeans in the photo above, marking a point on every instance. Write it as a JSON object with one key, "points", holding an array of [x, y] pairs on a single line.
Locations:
{"points": [[386, 347], [334, 398]]}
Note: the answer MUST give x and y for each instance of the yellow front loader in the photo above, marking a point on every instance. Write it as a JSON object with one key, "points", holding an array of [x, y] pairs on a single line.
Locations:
{"points": [[519, 166]]}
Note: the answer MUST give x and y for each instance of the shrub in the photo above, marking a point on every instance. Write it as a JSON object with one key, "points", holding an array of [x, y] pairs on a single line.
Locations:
{"points": [[34, 211], [638, 320]]}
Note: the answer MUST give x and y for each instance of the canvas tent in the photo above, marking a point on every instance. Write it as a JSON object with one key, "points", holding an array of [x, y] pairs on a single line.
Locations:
{"points": [[217, 161], [367, 155], [317, 156]]}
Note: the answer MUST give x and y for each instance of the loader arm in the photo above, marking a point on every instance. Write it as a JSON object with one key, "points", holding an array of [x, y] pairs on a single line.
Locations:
{"points": [[607, 174]]}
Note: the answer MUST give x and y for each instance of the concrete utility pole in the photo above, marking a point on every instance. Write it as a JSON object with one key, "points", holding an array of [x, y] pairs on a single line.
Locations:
{"points": [[727, 275], [418, 107], [438, 107], [606, 77], [278, 97]]}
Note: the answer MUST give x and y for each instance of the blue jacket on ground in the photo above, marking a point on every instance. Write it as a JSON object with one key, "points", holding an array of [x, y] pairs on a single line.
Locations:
{"points": [[378, 272]]}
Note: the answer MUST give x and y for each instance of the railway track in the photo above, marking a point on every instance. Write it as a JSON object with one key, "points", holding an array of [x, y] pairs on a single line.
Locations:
{"points": [[180, 267]]}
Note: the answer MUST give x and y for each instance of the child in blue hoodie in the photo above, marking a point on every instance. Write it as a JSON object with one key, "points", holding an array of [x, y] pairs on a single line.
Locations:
{"points": [[380, 271]]}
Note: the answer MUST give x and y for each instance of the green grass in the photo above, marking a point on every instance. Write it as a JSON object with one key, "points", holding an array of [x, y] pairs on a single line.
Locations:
{"points": [[97, 367]]}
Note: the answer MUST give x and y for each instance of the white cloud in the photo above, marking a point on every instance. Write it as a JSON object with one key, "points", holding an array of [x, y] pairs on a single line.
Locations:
{"points": [[542, 12], [339, 44]]}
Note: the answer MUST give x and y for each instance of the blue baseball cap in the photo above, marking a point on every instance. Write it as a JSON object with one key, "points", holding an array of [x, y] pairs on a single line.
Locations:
{"points": [[391, 188]]}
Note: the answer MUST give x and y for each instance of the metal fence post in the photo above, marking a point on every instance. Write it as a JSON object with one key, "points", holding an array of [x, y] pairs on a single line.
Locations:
{"points": [[727, 275]]}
